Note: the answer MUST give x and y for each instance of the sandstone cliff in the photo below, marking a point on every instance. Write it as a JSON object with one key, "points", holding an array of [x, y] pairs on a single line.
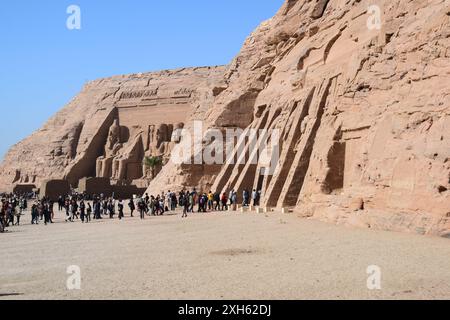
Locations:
{"points": [[363, 112], [69, 144]]}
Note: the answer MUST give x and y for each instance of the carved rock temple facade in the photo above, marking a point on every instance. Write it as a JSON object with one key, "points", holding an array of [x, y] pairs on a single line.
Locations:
{"points": [[108, 129], [363, 113]]}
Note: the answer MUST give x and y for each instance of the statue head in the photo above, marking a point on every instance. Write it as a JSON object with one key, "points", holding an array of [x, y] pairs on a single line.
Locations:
{"points": [[177, 133], [161, 134], [114, 134]]}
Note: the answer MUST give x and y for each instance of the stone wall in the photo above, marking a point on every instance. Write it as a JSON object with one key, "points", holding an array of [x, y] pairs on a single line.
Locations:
{"points": [[24, 188], [95, 186], [53, 189]]}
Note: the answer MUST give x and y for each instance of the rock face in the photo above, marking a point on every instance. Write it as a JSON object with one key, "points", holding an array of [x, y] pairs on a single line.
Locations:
{"points": [[363, 114], [109, 127]]}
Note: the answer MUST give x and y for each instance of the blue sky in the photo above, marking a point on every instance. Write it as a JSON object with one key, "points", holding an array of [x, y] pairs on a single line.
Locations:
{"points": [[43, 64]]}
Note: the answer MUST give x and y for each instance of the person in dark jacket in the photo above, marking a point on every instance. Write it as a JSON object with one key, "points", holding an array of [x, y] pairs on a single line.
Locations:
{"points": [[47, 214], [97, 210], [82, 211], [217, 201], [131, 206], [34, 214], [120, 207], [88, 212]]}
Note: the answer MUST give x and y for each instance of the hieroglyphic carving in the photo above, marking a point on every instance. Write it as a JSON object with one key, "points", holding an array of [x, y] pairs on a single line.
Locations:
{"points": [[184, 92], [138, 94]]}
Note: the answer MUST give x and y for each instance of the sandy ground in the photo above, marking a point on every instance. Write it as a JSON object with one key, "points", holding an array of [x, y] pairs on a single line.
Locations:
{"points": [[219, 256]]}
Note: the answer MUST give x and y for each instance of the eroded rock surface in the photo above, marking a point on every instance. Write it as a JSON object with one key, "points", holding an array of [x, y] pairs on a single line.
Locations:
{"points": [[363, 113], [109, 127]]}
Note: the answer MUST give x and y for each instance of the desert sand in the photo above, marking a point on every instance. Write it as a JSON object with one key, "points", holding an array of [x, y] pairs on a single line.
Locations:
{"points": [[219, 256]]}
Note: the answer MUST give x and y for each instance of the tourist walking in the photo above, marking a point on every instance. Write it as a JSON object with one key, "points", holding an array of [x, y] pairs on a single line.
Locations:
{"points": [[67, 208], [60, 203], [74, 209], [131, 206], [2, 218], [51, 210], [17, 214], [9, 214], [234, 199], [210, 200], [224, 201], [185, 208], [174, 202], [245, 198], [47, 215], [230, 196], [169, 200], [217, 201], [190, 202], [120, 207], [82, 211], [88, 212], [141, 208], [97, 210], [109, 209], [34, 214]]}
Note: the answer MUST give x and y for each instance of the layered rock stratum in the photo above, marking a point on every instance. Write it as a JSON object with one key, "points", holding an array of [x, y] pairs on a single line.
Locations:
{"points": [[363, 111]]}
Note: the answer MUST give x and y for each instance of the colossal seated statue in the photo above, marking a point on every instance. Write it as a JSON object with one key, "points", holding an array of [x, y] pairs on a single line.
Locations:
{"points": [[127, 164], [123, 160], [113, 145]]}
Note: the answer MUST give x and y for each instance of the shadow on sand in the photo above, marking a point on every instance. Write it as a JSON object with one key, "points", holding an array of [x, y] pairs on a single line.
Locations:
{"points": [[10, 294]]}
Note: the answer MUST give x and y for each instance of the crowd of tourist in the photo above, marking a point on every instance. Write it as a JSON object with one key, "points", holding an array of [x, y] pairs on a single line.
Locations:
{"points": [[12, 207], [87, 208]]}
